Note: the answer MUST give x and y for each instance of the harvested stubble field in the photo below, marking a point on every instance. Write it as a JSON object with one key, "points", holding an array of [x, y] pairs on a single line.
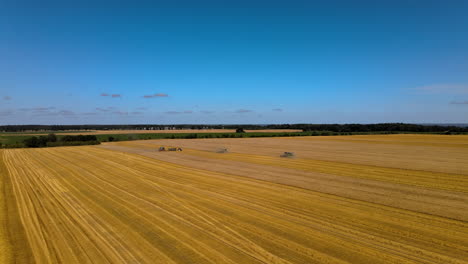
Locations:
{"points": [[126, 132], [344, 199]]}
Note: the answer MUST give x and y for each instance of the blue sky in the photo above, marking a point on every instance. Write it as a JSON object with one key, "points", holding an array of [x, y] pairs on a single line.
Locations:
{"points": [[233, 62]]}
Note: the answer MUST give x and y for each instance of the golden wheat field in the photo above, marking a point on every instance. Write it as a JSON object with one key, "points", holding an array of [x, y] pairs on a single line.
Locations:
{"points": [[110, 132], [341, 199]]}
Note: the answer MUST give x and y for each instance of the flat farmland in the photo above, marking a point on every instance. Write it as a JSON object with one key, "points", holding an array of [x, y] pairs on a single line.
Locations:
{"points": [[341, 199], [125, 132]]}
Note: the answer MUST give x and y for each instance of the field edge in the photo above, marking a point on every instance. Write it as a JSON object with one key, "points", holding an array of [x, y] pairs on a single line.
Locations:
{"points": [[12, 234]]}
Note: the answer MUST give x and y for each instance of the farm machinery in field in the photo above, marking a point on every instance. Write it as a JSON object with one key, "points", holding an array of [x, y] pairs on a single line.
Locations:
{"points": [[287, 154], [222, 150], [170, 149]]}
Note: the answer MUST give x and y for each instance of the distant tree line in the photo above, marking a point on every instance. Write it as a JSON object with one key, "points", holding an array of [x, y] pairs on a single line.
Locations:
{"points": [[383, 127], [144, 136], [69, 138], [51, 140]]}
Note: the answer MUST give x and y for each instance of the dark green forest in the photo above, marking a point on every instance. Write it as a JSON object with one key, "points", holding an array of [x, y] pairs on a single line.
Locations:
{"points": [[383, 127], [51, 140]]}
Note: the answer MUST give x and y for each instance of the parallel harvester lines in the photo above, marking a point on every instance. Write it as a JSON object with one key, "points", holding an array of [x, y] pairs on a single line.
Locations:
{"points": [[6, 254], [82, 221], [265, 234], [99, 189], [424, 158], [228, 178], [319, 163], [68, 201], [269, 258], [226, 230], [316, 255], [322, 227], [109, 184], [28, 212], [128, 203], [32, 240], [162, 258], [433, 201], [426, 140], [459, 140], [435, 180]]}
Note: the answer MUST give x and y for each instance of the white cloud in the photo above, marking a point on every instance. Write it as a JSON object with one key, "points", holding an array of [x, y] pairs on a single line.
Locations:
{"points": [[443, 89], [242, 111], [459, 102]]}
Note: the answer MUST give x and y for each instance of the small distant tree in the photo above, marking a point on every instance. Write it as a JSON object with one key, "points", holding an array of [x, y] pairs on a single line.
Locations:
{"points": [[191, 136], [67, 138], [42, 141], [240, 130], [31, 142], [51, 138], [110, 139]]}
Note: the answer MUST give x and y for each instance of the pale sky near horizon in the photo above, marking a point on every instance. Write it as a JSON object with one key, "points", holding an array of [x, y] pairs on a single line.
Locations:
{"points": [[212, 62]]}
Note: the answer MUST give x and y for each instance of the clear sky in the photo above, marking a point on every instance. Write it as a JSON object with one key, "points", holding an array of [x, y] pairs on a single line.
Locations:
{"points": [[118, 62]]}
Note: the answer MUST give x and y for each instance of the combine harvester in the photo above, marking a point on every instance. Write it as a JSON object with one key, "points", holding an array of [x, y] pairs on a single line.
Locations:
{"points": [[222, 150], [287, 155], [170, 149]]}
